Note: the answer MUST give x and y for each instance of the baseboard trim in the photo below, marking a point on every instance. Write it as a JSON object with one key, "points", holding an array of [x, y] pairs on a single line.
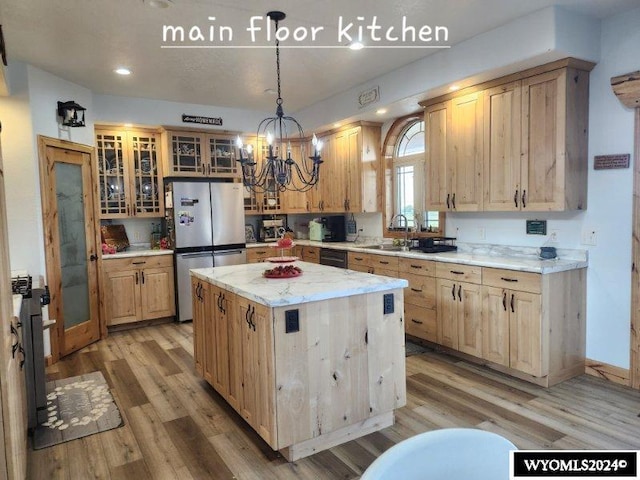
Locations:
{"points": [[612, 373]]}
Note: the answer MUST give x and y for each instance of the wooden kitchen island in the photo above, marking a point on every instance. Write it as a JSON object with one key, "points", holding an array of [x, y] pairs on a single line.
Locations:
{"points": [[309, 362]]}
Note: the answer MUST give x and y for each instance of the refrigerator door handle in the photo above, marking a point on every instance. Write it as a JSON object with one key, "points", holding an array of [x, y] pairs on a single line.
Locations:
{"points": [[227, 252], [194, 255]]}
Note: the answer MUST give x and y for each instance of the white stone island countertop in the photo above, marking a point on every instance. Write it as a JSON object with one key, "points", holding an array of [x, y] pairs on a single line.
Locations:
{"points": [[317, 282], [523, 259], [17, 305]]}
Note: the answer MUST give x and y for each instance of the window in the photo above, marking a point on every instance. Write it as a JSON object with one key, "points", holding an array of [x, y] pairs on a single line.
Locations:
{"points": [[409, 182]]}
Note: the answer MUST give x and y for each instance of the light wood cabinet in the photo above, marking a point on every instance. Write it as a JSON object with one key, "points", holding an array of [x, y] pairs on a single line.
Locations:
{"points": [[459, 306], [199, 154], [201, 305], [516, 143], [129, 173], [454, 136], [419, 298], [259, 254], [138, 288], [310, 254]]}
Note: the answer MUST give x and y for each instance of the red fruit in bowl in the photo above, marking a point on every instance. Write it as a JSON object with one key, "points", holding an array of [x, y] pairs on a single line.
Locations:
{"points": [[285, 242]]}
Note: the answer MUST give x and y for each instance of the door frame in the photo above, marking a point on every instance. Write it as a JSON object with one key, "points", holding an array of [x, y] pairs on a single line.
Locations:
{"points": [[634, 367], [51, 253]]}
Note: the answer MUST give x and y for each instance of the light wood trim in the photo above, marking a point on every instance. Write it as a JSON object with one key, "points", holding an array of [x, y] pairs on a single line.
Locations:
{"points": [[142, 262], [635, 266], [627, 89], [547, 67], [417, 266], [608, 372]]}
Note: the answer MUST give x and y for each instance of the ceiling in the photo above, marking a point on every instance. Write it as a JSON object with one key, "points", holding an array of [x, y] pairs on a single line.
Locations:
{"points": [[83, 41]]}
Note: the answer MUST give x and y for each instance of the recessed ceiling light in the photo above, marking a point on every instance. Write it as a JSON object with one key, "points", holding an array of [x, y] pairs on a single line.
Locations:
{"points": [[381, 111], [356, 45], [453, 88], [122, 71], [158, 3]]}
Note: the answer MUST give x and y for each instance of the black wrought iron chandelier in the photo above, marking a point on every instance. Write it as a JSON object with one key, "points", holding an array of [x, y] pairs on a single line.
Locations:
{"points": [[271, 168]]}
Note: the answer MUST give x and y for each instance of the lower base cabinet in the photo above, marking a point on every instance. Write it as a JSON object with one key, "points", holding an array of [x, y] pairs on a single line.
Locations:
{"points": [[138, 288], [327, 382]]}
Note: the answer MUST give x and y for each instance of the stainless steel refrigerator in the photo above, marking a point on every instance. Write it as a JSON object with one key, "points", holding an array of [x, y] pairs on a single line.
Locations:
{"points": [[208, 225]]}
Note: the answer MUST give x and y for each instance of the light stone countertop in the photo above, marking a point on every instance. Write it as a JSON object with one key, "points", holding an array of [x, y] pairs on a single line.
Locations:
{"points": [[317, 282], [524, 259]]}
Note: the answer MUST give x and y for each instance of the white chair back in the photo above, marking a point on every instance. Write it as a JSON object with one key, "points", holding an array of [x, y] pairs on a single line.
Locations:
{"points": [[447, 454]]}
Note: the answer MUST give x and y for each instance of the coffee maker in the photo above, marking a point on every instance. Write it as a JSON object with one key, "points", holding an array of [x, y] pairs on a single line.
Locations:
{"points": [[270, 229], [335, 229]]}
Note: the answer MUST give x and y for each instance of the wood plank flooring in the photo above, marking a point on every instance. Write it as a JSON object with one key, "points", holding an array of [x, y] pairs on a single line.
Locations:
{"points": [[178, 427]]}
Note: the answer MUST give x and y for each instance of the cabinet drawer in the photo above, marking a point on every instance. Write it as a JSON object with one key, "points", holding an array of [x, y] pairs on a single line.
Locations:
{"points": [[358, 260], [417, 266], [421, 322], [311, 254], [387, 272], [458, 272], [421, 290], [514, 280], [132, 263], [258, 254], [384, 261]]}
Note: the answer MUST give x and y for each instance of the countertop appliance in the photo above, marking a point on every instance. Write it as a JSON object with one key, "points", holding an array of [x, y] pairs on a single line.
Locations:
{"points": [[270, 229], [435, 244], [328, 229], [207, 226], [333, 257]]}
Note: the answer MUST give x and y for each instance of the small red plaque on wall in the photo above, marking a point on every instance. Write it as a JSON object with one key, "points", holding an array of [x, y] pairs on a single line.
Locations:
{"points": [[605, 162]]}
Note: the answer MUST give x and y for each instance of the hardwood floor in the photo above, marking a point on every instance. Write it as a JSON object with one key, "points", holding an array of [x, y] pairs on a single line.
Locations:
{"points": [[177, 426]]}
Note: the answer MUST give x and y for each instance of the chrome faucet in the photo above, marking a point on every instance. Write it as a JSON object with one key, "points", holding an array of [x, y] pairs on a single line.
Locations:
{"points": [[406, 229]]}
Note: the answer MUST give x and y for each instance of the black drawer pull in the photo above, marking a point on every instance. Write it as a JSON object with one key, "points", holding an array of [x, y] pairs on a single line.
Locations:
{"points": [[509, 279], [416, 290], [417, 321], [416, 266], [358, 258], [138, 263], [383, 263], [456, 272]]}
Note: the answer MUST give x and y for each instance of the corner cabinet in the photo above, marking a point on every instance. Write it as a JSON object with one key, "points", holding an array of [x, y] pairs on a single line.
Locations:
{"points": [[129, 174], [518, 143], [138, 288], [196, 154]]}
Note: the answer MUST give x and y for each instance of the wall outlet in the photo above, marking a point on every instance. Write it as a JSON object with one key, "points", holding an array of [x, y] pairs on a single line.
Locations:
{"points": [[590, 237], [136, 236], [553, 235], [482, 233]]}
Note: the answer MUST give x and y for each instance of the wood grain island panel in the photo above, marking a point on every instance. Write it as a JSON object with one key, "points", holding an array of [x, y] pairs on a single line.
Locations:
{"points": [[314, 361]]}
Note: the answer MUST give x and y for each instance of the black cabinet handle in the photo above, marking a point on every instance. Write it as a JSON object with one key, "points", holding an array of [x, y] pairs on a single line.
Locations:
{"points": [[416, 321], [416, 266], [415, 290], [456, 272], [453, 291], [246, 316], [383, 263], [142, 273], [515, 198], [459, 292], [138, 263], [506, 279], [524, 196], [512, 307], [504, 301], [448, 201], [137, 278], [222, 302], [453, 201]]}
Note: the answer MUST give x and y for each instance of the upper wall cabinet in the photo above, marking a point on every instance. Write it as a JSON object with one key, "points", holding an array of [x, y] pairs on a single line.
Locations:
{"points": [[129, 173], [531, 146], [199, 154]]}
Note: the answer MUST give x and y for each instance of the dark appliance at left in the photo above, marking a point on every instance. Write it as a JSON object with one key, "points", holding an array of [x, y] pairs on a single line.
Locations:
{"points": [[32, 348]]}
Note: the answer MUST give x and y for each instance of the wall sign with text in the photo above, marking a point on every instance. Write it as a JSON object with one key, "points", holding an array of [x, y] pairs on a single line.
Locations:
{"points": [[203, 120]]}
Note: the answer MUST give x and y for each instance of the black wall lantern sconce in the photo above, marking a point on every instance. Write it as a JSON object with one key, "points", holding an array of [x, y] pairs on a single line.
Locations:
{"points": [[72, 114]]}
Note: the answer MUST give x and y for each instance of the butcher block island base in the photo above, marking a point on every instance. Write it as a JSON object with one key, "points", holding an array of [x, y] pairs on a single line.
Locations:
{"points": [[309, 362]]}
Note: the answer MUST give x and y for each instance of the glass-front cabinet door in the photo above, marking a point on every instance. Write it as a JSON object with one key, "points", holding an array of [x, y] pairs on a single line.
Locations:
{"points": [[129, 174], [222, 157], [147, 181], [186, 155], [112, 175]]}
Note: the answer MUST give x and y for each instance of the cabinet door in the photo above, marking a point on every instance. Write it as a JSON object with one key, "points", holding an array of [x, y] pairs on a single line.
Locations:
{"points": [[223, 305], [311, 254], [122, 297], [469, 318], [258, 397], [334, 189], [292, 200], [495, 325], [157, 293], [146, 177], [543, 141], [437, 120], [502, 159], [113, 176], [525, 334], [186, 155], [353, 191], [198, 324], [221, 154], [465, 152], [236, 332], [447, 308]]}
